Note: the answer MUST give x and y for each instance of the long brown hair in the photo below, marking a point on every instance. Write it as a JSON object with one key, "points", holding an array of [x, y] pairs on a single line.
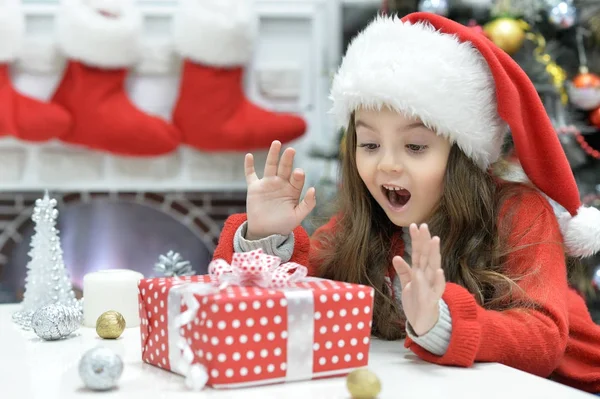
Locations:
{"points": [[473, 250]]}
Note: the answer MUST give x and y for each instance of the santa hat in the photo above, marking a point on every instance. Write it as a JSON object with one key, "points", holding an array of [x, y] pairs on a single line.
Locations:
{"points": [[467, 89]]}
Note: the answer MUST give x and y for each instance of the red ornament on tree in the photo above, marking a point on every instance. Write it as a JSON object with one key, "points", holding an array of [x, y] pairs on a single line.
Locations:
{"points": [[586, 80], [584, 90]]}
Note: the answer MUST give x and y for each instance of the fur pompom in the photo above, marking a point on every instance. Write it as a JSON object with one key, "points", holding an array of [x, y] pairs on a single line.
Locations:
{"points": [[581, 232]]}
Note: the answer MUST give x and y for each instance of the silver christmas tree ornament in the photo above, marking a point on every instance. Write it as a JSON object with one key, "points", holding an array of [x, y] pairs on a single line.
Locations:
{"points": [[173, 265], [47, 280]]}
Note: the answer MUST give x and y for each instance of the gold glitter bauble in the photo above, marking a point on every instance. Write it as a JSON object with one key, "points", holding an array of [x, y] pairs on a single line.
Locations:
{"points": [[506, 33], [110, 325], [363, 384]]}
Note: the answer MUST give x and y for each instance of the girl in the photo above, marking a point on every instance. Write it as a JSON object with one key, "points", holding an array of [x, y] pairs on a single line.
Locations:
{"points": [[469, 264]]}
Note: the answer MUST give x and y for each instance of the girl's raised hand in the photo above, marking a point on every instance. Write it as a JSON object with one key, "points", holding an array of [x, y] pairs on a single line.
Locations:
{"points": [[422, 284], [273, 202]]}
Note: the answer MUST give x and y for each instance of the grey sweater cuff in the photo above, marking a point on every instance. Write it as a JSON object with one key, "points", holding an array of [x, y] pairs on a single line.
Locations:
{"points": [[275, 245], [437, 339]]}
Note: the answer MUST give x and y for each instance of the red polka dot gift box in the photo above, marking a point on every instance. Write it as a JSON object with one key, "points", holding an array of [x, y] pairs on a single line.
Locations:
{"points": [[254, 322]]}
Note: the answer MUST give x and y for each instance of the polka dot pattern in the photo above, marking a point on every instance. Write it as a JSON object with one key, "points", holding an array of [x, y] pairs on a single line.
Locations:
{"points": [[154, 327], [339, 311], [241, 334]]}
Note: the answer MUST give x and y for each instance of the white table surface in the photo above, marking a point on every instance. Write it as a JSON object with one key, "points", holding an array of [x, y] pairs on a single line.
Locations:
{"points": [[34, 369]]}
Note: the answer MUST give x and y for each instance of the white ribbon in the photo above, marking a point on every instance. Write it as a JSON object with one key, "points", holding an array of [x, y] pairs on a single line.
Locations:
{"points": [[300, 329], [181, 356]]}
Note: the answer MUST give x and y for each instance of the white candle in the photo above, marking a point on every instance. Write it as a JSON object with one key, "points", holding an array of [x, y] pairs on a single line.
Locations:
{"points": [[113, 289]]}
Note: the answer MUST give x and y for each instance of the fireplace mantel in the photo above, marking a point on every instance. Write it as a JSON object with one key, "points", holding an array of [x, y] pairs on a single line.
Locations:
{"points": [[56, 166]]}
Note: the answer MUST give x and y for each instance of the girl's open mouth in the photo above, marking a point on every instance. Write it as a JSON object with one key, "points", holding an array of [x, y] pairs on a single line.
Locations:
{"points": [[397, 196]]}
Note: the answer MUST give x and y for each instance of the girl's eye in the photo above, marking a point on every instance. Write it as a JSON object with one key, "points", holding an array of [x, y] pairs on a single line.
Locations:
{"points": [[369, 146], [416, 148]]}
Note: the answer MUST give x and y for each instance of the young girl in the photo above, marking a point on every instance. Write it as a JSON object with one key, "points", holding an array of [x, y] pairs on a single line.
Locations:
{"points": [[467, 263]]}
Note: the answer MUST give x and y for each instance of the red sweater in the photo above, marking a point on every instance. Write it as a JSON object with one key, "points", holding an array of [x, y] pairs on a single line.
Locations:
{"points": [[558, 339]]}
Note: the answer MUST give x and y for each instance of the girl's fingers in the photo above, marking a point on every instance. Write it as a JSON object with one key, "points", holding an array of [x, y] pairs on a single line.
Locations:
{"points": [[415, 243], [297, 179], [424, 245], [272, 159], [435, 257], [249, 169], [306, 205], [286, 164], [403, 270], [439, 283]]}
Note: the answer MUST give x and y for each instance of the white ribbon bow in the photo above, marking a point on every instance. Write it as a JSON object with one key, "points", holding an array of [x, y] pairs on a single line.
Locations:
{"points": [[258, 269]]}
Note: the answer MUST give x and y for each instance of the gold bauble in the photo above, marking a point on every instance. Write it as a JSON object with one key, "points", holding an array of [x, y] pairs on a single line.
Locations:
{"points": [[110, 325], [506, 33], [363, 384]]}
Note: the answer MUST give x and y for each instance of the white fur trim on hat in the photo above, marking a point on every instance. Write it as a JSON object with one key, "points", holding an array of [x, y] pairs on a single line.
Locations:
{"points": [[581, 232], [88, 36], [421, 72], [12, 30], [218, 33]]}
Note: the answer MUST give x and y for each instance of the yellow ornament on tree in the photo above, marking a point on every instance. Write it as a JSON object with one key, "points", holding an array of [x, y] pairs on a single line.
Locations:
{"points": [[506, 33], [110, 325]]}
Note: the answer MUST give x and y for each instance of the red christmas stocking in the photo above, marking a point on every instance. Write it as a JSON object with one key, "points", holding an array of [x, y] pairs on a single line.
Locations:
{"points": [[21, 116], [102, 43], [215, 38]]}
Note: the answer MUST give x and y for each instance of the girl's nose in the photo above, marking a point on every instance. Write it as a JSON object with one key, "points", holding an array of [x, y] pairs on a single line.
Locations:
{"points": [[390, 164]]}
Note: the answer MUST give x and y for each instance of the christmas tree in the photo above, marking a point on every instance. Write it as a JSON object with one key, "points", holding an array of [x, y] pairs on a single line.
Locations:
{"points": [[47, 279]]}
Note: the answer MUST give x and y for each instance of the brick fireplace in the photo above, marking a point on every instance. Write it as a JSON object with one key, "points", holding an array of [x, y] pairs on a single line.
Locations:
{"points": [[116, 229]]}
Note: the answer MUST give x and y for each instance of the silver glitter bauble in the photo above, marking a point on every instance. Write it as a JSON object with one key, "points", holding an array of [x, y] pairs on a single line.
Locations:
{"points": [[562, 13], [100, 369], [584, 98], [439, 7], [52, 322]]}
